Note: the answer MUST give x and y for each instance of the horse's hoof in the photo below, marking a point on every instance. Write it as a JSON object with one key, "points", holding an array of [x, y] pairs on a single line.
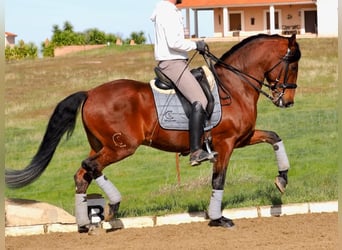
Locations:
{"points": [[83, 229], [115, 224], [91, 229], [95, 230], [280, 183], [113, 211], [222, 222], [109, 218]]}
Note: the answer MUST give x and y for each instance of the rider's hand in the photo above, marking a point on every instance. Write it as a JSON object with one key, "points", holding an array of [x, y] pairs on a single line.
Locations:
{"points": [[201, 47]]}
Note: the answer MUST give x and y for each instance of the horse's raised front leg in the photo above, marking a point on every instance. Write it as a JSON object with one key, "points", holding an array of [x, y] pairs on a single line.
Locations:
{"points": [[92, 169], [272, 138]]}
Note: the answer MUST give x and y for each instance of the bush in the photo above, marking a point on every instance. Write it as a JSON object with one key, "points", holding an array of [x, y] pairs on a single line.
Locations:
{"points": [[66, 36], [48, 49], [111, 38], [95, 36], [21, 51], [137, 37]]}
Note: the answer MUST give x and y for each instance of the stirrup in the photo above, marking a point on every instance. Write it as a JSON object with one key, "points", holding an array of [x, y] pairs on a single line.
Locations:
{"points": [[201, 155], [207, 142]]}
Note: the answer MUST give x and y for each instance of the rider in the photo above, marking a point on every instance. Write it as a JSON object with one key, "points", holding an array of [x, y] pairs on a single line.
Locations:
{"points": [[171, 55]]}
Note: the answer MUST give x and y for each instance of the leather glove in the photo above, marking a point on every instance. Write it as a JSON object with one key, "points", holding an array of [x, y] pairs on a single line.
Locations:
{"points": [[201, 47]]}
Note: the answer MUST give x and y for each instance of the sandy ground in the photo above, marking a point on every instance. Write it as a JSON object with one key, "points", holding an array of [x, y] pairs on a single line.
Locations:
{"points": [[308, 231]]}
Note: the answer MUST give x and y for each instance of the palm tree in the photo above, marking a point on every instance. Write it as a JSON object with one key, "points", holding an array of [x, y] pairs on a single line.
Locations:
{"points": [[68, 26]]}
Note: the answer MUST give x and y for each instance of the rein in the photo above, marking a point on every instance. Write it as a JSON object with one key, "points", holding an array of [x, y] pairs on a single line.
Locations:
{"points": [[209, 58]]}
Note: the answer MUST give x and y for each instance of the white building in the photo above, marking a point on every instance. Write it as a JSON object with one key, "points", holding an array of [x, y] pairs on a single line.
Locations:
{"points": [[247, 17]]}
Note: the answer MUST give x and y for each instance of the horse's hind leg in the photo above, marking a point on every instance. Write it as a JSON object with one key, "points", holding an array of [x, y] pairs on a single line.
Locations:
{"points": [[82, 180], [272, 138], [106, 185], [92, 169]]}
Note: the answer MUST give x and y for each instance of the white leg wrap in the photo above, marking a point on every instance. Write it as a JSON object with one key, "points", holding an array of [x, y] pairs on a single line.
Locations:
{"points": [[215, 211], [110, 190], [81, 210], [283, 161]]}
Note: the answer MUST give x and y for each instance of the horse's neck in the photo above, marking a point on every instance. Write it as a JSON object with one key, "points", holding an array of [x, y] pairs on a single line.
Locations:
{"points": [[239, 84], [248, 67], [257, 57], [249, 63]]}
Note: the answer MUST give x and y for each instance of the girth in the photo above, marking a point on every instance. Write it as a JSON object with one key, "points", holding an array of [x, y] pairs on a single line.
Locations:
{"points": [[165, 83]]}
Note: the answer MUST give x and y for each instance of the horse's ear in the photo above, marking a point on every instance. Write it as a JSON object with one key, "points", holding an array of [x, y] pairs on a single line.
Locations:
{"points": [[292, 40], [294, 48]]}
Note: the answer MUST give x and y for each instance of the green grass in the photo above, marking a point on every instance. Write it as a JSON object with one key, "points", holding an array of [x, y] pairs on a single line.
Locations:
{"points": [[148, 179]]}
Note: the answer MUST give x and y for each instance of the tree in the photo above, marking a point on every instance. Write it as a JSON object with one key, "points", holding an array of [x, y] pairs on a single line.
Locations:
{"points": [[68, 27], [55, 29], [56, 36], [111, 38], [138, 37], [67, 36], [95, 36], [48, 49]]}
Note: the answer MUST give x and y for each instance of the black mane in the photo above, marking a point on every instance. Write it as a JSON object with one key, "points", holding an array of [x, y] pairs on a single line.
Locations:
{"points": [[244, 42]]}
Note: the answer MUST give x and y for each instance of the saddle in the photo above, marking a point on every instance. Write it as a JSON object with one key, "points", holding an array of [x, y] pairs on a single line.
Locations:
{"points": [[163, 82]]}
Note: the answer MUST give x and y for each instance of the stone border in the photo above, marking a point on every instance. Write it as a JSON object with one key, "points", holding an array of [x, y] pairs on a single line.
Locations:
{"points": [[175, 219]]}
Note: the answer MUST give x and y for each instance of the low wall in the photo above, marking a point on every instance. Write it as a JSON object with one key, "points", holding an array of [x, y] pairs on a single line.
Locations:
{"points": [[61, 51]]}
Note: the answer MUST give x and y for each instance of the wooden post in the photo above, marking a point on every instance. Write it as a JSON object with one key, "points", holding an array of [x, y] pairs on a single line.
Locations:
{"points": [[178, 168]]}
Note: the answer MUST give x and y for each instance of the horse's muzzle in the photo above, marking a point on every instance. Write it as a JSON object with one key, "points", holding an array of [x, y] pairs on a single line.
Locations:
{"points": [[281, 103]]}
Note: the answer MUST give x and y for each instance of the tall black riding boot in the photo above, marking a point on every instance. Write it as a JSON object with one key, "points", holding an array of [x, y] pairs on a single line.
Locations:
{"points": [[196, 130]]}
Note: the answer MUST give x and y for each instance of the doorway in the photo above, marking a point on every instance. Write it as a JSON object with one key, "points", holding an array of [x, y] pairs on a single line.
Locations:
{"points": [[235, 21], [310, 21]]}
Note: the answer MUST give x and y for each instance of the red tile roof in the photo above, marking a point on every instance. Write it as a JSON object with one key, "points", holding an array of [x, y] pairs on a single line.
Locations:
{"points": [[227, 3], [10, 34]]}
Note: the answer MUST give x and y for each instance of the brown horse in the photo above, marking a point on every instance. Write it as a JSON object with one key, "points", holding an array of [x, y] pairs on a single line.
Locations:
{"points": [[119, 116]]}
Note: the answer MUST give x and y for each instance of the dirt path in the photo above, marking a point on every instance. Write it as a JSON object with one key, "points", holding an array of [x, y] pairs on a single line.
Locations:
{"points": [[309, 231]]}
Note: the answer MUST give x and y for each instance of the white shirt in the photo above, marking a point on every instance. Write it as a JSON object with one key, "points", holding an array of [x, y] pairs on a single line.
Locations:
{"points": [[170, 43]]}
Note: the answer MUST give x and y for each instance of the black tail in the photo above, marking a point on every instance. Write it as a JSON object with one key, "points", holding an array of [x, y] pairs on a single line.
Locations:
{"points": [[62, 120]]}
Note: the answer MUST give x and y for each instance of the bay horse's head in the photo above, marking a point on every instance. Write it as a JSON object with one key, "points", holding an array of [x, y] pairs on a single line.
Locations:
{"points": [[271, 57], [282, 77]]}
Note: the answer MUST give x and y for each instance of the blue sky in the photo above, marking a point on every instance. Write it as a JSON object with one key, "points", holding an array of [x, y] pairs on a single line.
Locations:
{"points": [[32, 20]]}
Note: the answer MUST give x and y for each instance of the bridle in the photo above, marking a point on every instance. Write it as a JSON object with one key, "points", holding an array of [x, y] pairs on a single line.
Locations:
{"points": [[287, 59], [277, 88]]}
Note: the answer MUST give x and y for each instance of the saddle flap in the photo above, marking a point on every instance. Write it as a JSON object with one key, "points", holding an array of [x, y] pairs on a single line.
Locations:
{"points": [[171, 111]]}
